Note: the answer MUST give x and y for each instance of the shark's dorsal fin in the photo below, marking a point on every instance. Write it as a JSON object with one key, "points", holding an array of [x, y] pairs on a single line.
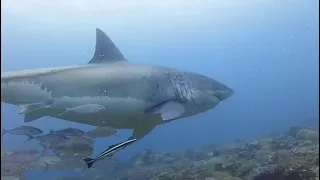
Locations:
{"points": [[106, 50]]}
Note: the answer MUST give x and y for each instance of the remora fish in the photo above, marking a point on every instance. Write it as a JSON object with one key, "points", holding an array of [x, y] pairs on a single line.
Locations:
{"points": [[109, 152], [104, 131], [85, 109], [137, 96]]}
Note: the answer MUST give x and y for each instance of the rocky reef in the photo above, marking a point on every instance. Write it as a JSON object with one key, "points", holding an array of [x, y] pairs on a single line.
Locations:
{"points": [[292, 155]]}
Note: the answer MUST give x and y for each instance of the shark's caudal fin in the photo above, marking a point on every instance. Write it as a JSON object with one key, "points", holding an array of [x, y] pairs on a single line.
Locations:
{"points": [[106, 50]]}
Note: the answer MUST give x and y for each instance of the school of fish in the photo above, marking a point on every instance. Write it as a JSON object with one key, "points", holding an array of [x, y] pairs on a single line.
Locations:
{"points": [[67, 148]]}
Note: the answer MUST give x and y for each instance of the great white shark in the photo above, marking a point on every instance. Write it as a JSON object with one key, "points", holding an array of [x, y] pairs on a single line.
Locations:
{"points": [[135, 96]]}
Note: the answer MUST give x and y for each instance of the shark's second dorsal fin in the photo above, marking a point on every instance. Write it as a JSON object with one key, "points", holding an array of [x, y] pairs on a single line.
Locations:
{"points": [[106, 50]]}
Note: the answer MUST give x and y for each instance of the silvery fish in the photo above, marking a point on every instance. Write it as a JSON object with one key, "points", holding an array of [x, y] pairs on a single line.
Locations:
{"points": [[68, 132], [48, 138], [11, 168], [70, 163], [108, 152], [25, 150], [72, 178], [18, 158], [68, 143], [14, 177], [104, 131], [77, 140], [5, 152], [85, 109], [45, 162], [69, 150], [67, 154], [23, 130]]}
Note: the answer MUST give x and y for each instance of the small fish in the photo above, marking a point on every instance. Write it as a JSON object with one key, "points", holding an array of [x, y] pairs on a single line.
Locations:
{"points": [[68, 143], [18, 158], [75, 149], [85, 109], [68, 132], [71, 178], [5, 152], [108, 152], [11, 168], [67, 154], [77, 140], [25, 151], [70, 163], [23, 130], [104, 131], [14, 177], [45, 162], [48, 138]]}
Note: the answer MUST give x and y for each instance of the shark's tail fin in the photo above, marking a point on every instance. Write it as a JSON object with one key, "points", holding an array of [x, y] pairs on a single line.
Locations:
{"points": [[106, 50], [89, 161]]}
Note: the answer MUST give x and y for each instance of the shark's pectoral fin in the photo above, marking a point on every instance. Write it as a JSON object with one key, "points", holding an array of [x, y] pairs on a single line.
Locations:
{"points": [[28, 108], [31, 116], [140, 131], [106, 50], [168, 110]]}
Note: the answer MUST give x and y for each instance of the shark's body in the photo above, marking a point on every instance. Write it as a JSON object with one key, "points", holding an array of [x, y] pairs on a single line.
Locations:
{"points": [[135, 96]]}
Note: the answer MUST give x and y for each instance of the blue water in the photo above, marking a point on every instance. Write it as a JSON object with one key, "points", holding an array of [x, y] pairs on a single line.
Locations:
{"points": [[266, 50]]}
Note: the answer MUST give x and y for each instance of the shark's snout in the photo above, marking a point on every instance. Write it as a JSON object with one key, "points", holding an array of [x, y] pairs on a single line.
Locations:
{"points": [[224, 93]]}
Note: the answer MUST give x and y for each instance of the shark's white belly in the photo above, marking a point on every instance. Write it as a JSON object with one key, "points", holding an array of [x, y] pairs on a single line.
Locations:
{"points": [[113, 105], [119, 112]]}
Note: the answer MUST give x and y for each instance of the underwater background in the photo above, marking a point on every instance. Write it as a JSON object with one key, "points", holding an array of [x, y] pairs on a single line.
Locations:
{"points": [[266, 50]]}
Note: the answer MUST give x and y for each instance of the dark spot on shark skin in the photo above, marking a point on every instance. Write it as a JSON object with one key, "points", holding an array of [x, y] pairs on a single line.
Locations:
{"points": [[43, 87]]}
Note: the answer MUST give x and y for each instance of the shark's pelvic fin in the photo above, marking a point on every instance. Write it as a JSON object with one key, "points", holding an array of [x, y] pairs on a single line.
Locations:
{"points": [[106, 50]]}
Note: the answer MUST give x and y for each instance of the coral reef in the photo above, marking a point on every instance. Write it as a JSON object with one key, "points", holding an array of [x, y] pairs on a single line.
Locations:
{"points": [[293, 155]]}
